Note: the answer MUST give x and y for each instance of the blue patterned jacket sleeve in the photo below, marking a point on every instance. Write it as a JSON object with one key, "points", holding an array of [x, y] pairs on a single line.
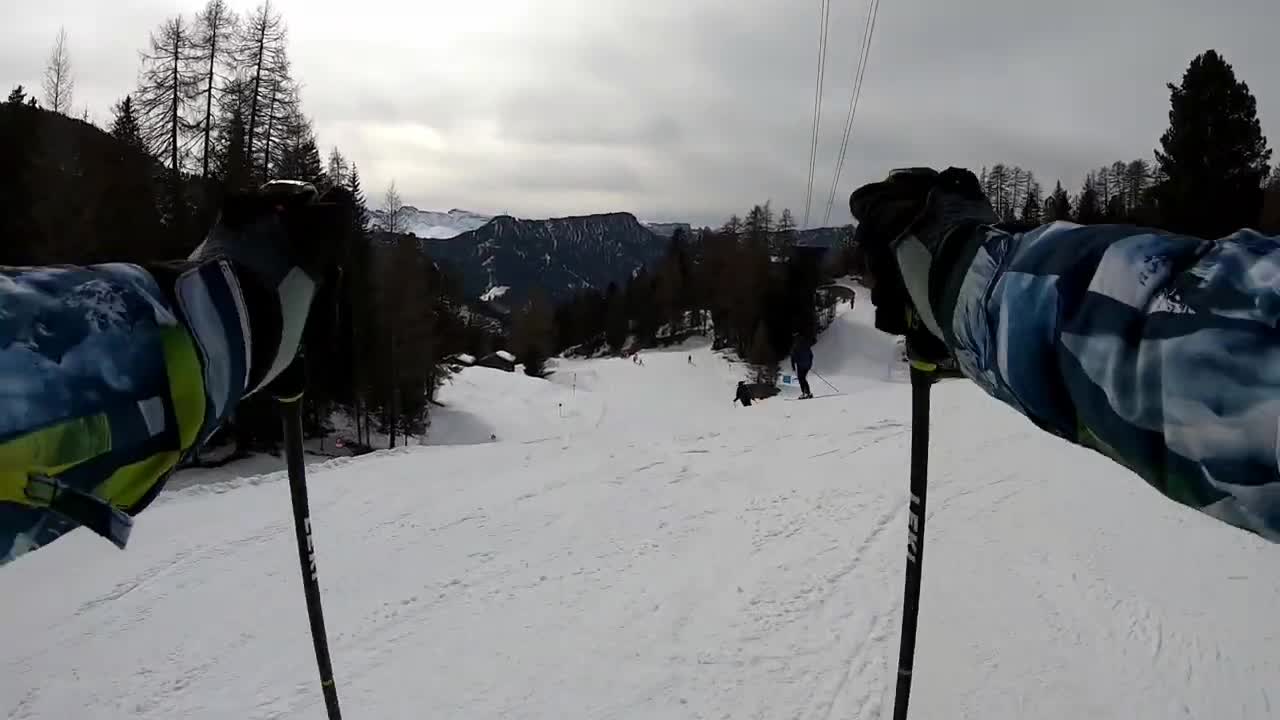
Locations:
{"points": [[108, 375], [1161, 351]]}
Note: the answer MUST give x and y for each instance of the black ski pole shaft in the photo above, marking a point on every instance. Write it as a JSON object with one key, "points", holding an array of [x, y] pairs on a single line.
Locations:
{"points": [[921, 380], [291, 410]]}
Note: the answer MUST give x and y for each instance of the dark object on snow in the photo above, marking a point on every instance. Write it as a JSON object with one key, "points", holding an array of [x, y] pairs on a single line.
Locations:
{"points": [[753, 391], [801, 361], [498, 361]]}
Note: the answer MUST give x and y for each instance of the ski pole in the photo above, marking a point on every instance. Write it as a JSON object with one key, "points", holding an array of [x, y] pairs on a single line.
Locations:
{"points": [[291, 412], [921, 380], [833, 387]]}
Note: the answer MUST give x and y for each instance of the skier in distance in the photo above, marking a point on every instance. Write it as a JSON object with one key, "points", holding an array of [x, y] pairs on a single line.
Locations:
{"points": [[1159, 350], [801, 362]]}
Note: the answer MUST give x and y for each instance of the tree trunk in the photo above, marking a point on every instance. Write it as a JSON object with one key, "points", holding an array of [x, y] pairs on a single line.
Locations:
{"points": [[173, 109], [257, 88], [208, 106]]}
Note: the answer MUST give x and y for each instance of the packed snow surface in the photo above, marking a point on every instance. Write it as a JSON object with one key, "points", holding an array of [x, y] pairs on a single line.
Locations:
{"points": [[622, 541]]}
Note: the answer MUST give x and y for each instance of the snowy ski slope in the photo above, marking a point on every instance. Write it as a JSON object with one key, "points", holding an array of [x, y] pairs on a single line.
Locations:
{"points": [[633, 545]]}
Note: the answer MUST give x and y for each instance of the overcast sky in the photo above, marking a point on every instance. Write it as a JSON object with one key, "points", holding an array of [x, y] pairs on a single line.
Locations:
{"points": [[693, 109]]}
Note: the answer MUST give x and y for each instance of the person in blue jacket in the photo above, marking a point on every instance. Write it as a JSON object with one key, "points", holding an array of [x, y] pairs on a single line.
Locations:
{"points": [[802, 362], [1159, 350], [110, 373]]}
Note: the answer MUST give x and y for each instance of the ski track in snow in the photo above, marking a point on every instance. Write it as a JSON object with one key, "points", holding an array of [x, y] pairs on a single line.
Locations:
{"points": [[634, 545]]}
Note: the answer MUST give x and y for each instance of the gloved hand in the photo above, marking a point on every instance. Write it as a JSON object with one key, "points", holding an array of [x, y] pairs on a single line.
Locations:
{"points": [[917, 228], [282, 242]]}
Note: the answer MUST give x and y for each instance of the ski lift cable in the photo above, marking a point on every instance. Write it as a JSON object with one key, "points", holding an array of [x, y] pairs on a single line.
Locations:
{"points": [[868, 33], [824, 18]]}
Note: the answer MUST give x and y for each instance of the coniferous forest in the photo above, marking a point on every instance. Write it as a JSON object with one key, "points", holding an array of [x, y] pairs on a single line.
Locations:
{"points": [[217, 109]]}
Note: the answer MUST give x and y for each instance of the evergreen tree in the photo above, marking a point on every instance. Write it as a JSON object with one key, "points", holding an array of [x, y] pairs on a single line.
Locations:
{"points": [[1137, 179], [763, 358], [671, 283], [17, 96], [786, 229], [1034, 204], [1058, 206], [758, 224], [1213, 155], [124, 126], [361, 217], [1088, 207], [533, 330], [300, 158], [232, 163], [617, 327], [732, 227]]}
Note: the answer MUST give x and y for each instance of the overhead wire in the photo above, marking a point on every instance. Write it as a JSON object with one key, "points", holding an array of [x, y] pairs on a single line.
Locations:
{"points": [[868, 32], [824, 18]]}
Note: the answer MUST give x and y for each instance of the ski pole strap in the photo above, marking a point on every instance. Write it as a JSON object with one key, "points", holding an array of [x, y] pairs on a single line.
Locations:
{"points": [[80, 507]]}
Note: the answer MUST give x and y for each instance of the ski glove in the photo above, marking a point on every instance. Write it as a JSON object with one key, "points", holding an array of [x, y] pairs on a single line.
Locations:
{"points": [[915, 226], [281, 242]]}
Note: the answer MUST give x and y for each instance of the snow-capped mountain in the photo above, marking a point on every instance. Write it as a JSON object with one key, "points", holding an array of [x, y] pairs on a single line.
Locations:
{"points": [[436, 225], [431, 224], [560, 255], [667, 229]]}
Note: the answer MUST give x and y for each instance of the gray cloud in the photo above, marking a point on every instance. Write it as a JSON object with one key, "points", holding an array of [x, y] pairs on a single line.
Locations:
{"points": [[692, 110]]}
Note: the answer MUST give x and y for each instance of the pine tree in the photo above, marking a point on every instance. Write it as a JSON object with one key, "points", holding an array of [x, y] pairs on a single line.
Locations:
{"points": [[17, 96], [300, 157], [617, 327], [260, 53], [281, 123], [533, 330], [1088, 207], [164, 96], [1058, 206], [210, 58], [733, 227], [1034, 204], [763, 358], [1213, 155], [338, 168], [1137, 178], [786, 230], [361, 218], [1017, 192], [392, 210], [59, 83], [758, 224], [124, 127], [231, 163]]}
